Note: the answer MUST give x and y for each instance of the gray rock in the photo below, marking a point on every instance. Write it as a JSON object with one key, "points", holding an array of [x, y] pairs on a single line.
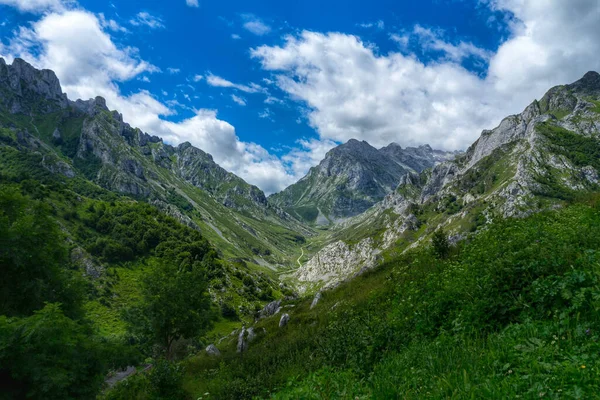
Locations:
{"points": [[28, 87], [56, 136], [285, 318], [270, 309], [315, 300], [242, 344], [81, 259], [212, 350]]}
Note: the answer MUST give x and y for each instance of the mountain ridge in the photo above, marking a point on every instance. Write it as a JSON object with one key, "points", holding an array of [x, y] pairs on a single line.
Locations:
{"points": [[85, 137], [352, 178]]}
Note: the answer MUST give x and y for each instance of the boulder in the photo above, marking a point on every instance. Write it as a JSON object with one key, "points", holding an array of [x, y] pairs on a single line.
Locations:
{"points": [[212, 350], [315, 300], [285, 318], [270, 309]]}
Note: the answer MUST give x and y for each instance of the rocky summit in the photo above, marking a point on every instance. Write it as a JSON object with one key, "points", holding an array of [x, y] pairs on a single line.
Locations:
{"points": [[352, 178]]}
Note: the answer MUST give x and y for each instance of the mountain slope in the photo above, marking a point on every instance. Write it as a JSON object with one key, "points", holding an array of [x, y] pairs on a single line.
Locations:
{"points": [[85, 138], [532, 161], [352, 177]]}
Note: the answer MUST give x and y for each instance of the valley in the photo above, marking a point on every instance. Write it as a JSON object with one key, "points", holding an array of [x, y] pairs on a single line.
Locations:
{"points": [[374, 259]]}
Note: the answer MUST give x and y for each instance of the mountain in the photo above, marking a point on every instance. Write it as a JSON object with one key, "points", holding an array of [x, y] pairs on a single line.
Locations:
{"points": [[536, 160], [84, 138], [108, 233], [352, 178]]}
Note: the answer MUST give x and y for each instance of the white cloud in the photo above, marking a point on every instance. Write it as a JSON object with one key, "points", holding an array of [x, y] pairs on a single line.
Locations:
{"points": [[144, 79], [353, 92], [235, 36], [146, 19], [110, 24], [239, 100], [89, 64], [173, 71], [255, 25], [402, 40], [309, 153], [192, 3], [37, 6], [273, 100], [217, 81], [197, 78], [266, 114], [433, 41], [380, 25]]}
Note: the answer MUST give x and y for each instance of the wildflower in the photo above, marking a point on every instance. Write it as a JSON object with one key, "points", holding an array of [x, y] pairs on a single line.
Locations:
{"points": [[510, 371], [583, 367]]}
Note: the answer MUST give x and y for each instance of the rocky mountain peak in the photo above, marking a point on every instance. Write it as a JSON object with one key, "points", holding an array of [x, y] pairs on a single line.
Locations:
{"points": [[353, 177], [92, 106], [25, 85], [588, 84]]}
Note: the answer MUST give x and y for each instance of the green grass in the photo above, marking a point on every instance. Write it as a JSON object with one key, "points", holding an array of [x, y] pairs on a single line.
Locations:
{"points": [[513, 313]]}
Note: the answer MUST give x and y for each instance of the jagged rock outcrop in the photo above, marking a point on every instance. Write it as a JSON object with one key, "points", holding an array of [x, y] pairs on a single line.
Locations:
{"points": [[270, 309], [336, 261], [25, 89]]}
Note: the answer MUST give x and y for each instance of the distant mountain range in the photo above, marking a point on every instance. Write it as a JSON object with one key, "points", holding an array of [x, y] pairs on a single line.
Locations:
{"points": [[359, 204]]}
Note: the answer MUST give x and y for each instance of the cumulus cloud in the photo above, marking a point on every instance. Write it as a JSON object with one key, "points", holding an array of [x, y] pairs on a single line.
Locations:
{"points": [[192, 3], [89, 64], [255, 25], [352, 91], [146, 19], [173, 71]]}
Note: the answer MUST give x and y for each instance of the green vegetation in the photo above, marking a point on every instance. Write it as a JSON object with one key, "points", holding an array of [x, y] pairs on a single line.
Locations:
{"points": [[47, 350], [514, 312], [174, 303], [581, 150]]}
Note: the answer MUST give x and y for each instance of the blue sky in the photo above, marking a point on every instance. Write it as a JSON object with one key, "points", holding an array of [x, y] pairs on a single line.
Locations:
{"points": [[268, 87]]}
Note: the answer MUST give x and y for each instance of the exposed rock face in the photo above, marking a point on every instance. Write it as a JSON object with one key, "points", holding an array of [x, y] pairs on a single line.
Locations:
{"points": [[285, 318], [353, 177], [26, 89], [336, 261]]}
